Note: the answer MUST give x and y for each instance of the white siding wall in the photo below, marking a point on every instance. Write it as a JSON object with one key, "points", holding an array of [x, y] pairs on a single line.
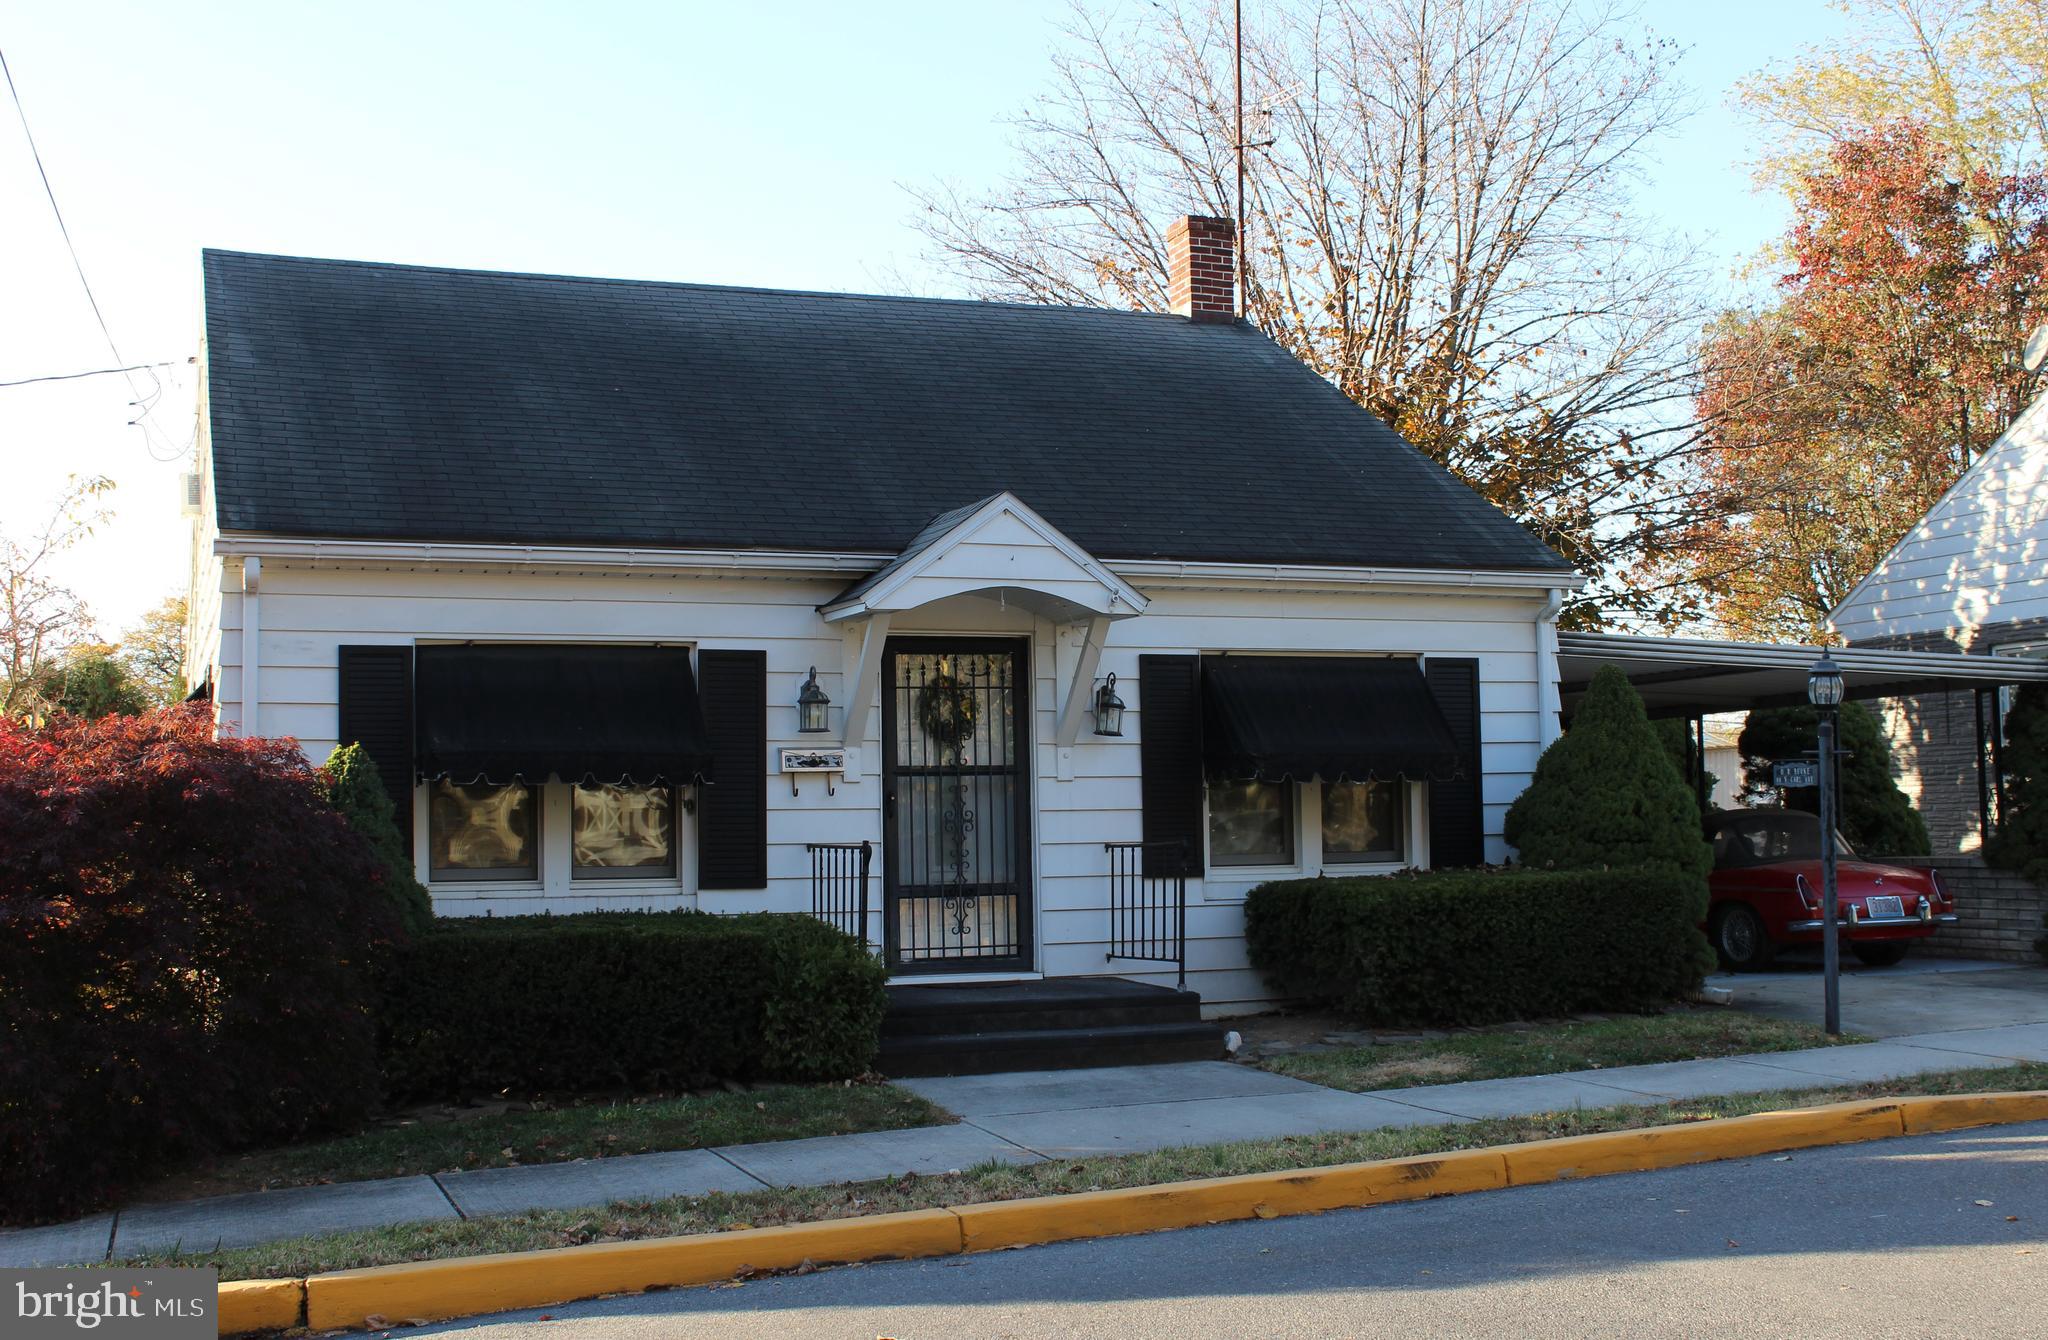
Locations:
{"points": [[1979, 557], [307, 613]]}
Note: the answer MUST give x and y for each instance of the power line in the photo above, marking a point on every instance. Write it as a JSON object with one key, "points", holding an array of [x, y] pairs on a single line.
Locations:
{"points": [[96, 372], [145, 402]]}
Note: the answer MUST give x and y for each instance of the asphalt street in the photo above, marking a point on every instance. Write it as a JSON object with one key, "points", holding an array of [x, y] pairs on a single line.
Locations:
{"points": [[1930, 1236]]}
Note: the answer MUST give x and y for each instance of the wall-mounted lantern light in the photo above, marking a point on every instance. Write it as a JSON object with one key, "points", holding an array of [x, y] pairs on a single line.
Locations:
{"points": [[1109, 709], [811, 703]]}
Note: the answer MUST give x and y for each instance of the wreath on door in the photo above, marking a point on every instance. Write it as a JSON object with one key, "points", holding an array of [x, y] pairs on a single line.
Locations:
{"points": [[946, 708]]}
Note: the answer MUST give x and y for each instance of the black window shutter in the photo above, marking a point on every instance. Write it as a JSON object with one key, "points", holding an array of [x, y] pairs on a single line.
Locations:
{"points": [[732, 832], [1457, 817], [376, 712], [1170, 759]]}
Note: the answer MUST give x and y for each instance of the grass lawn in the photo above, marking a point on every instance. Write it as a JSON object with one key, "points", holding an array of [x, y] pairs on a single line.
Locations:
{"points": [[728, 1212], [571, 1130], [1681, 1035]]}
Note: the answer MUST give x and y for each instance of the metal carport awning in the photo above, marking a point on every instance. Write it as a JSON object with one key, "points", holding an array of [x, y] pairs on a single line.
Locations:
{"points": [[1689, 677]]}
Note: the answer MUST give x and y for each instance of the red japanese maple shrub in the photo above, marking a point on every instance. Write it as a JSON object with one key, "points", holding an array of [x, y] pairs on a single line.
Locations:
{"points": [[187, 932]]}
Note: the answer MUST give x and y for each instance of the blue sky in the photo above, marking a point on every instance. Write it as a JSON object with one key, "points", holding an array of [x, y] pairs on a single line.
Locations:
{"points": [[723, 143]]}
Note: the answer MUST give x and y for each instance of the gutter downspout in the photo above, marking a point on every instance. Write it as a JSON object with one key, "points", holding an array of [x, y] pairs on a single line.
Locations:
{"points": [[1549, 703]]}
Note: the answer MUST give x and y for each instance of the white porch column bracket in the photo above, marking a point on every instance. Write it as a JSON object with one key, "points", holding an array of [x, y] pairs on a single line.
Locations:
{"points": [[252, 644], [1549, 701], [1074, 707], [860, 690]]}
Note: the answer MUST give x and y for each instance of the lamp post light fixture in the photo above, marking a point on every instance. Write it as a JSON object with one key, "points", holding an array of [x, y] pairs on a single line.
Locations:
{"points": [[811, 703], [1109, 709], [1824, 689]]}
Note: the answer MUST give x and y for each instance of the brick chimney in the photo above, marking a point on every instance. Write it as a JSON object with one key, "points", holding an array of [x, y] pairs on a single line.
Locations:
{"points": [[1201, 255]]}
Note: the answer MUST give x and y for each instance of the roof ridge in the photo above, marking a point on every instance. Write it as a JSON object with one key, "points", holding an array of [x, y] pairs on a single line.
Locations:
{"points": [[610, 281]]}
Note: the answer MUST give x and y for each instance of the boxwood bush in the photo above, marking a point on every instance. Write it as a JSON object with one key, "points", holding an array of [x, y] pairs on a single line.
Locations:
{"points": [[627, 1000], [1480, 946]]}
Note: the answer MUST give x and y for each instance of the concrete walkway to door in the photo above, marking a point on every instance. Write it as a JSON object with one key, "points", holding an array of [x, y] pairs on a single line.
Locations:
{"points": [[1029, 1116]]}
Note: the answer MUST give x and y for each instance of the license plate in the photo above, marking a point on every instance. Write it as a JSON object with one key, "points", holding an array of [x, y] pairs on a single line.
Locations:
{"points": [[1884, 907]]}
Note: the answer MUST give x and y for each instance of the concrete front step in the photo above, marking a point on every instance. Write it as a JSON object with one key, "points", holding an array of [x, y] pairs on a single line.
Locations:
{"points": [[1050, 1049], [1047, 1024]]}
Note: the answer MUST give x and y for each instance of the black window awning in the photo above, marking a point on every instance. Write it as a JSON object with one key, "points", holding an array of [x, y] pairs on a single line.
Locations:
{"points": [[1322, 718], [528, 712]]}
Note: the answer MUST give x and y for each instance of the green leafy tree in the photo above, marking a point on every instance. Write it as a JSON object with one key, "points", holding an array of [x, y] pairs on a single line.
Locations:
{"points": [[1876, 816], [2021, 841], [1607, 795], [1975, 71], [154, 650], [90, 681], [354, 788], [40, 617]]}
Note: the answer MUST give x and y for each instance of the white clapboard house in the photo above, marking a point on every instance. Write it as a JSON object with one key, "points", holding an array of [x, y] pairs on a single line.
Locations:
{"points": [[1972, 576], [657, 595]]}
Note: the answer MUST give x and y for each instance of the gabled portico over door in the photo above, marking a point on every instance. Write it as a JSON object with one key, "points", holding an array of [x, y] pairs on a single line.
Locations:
{"points": [[956, 805]]}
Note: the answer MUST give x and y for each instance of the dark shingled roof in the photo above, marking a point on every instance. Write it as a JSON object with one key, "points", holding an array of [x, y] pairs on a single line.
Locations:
{"points": [[362, 401]]}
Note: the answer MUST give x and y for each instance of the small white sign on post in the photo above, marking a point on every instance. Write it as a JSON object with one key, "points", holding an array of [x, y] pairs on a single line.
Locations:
{"points": [[1794, 774]]}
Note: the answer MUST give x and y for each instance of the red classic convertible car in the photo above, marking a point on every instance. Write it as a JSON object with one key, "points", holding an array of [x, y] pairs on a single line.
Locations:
{"points": [[1766, 892]]}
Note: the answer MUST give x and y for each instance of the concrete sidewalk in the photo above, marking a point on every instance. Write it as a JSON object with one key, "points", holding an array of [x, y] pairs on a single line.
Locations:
{"points": [[1017, 1118]]}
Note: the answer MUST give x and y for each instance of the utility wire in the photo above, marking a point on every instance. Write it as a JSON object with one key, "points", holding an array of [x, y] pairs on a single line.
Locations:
{"points": [[96, 372], [144, 402]]}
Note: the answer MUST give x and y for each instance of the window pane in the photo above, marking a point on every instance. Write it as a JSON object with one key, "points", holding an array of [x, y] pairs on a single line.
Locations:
{"points": [[481, 831], [623, 830], [1251, 823], [1362, 821]]}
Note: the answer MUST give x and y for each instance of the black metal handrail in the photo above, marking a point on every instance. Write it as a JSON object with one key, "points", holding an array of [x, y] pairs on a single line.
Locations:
{"points": [[839, 885], [1148, 914]]}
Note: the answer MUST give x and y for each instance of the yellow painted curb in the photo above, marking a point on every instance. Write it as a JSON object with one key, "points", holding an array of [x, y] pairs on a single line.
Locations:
{"points": [[470, 1286], [1212, 1200], [1954, 1112], [259, 1305], [465, 1286], [1700, 1142]]}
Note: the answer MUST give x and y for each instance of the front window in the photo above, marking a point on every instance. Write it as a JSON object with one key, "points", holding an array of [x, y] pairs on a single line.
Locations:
{"points": [[1251, 823], [623, 831], [482, 831], [1362, 822]]}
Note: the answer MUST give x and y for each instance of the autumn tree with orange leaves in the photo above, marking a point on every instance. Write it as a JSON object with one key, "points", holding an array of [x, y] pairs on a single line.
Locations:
{"points": [[1885, 363]]}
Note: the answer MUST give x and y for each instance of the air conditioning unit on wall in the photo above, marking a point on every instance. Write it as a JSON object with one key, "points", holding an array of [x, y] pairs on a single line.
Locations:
{"points": [[188, 485]]}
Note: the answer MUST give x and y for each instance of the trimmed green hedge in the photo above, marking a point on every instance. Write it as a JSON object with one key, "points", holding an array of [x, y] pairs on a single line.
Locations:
{"points": [[627, 1000], [1480, 946]]}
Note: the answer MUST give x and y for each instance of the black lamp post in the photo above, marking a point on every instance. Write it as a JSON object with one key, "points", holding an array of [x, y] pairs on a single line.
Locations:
{"points": [[1109, 709], [811, 703], [1824, 689]]}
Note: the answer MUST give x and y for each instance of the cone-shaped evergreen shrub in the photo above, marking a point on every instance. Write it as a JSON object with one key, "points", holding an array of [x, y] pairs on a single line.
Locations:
{"points": [[1876, 816], [1678, 744], [2021, 842], [354, 788], [1607, 796]]}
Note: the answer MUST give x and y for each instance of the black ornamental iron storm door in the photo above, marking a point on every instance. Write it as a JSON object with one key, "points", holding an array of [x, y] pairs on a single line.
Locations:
{"points": [[957, 819]]}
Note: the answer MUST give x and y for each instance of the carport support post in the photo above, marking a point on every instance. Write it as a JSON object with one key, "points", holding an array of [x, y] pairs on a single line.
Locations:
{"points": [[1831, 949], [1699, 761]]}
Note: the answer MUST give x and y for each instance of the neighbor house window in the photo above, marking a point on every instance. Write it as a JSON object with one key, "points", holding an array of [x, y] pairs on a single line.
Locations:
{"points": [[623, 831], [483, 831], [1251, 823], [1363, 822]]}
